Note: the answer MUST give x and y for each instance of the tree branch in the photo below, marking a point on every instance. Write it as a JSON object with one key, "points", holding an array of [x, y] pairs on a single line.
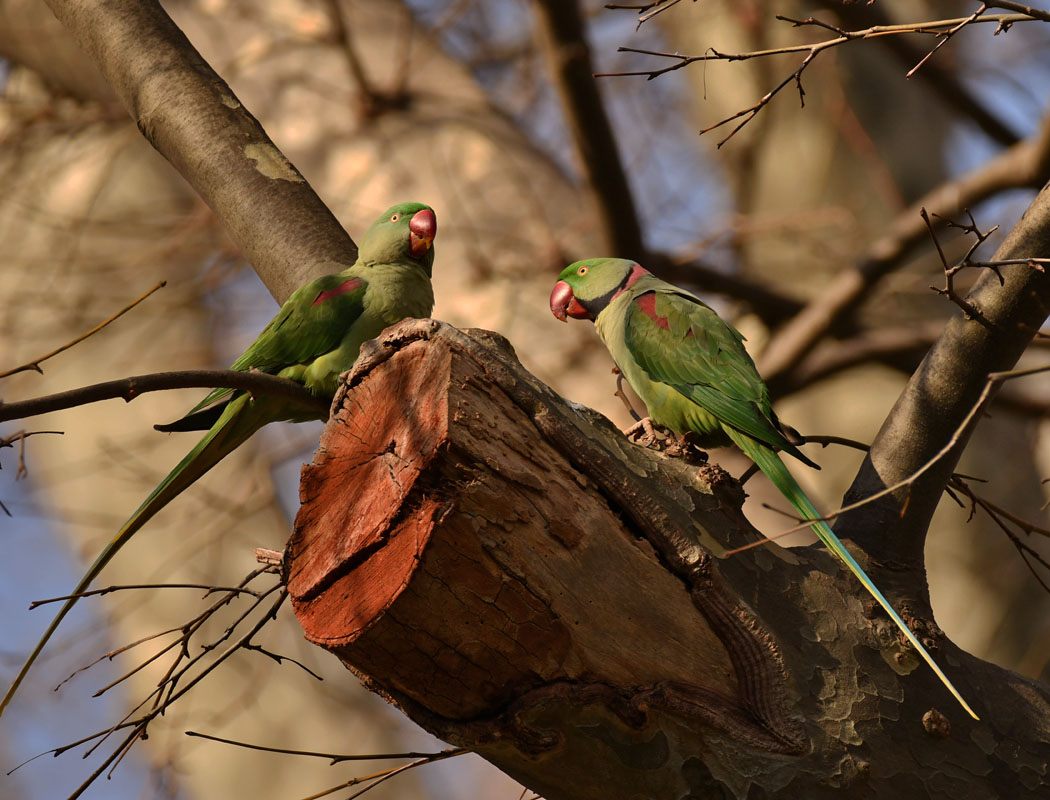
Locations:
{"points": [[1024, 165], [524, 582], [940, 396], [128, 389], [773, 307], [592, 135], [189, 114]]}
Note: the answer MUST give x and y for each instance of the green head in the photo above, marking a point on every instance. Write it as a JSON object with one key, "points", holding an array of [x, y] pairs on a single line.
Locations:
{"points": [[403, 234], [585, 288]]}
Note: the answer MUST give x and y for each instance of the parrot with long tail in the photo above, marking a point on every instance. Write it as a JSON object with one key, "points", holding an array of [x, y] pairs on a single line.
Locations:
{"points": [[692, 372], [315, 336]]}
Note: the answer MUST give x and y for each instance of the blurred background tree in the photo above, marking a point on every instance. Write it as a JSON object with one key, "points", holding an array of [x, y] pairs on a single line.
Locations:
{"points": [[486, 110]]}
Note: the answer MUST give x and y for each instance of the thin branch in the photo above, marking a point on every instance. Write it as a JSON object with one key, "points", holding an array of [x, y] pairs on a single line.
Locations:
{"points": [[384, 775], [944, 38], [128, 389], [1021, 8], [34, 365], [280, 659], [125, 587], [943, 29], [646, 11], [951, 271], [333, 758], [20, 437], [874, 32], [1003, 519]]}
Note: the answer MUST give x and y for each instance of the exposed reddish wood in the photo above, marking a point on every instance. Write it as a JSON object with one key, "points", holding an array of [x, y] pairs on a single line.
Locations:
{"points": [[494, 597], [521, 580]]}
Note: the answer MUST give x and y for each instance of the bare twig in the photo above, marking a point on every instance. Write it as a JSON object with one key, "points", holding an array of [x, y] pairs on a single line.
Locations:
{"points": [[1003, 519], [139, 725], [1021, 8], [333, 758], [127, 587], [384, 775], [646, 11], [20, 437], [128, 389], [951, 271], [943, 38], [944, 29], [34, 365]]}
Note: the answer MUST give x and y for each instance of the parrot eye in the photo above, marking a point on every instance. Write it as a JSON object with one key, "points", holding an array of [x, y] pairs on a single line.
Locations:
{"points": [[581, 271], [395, 217]]}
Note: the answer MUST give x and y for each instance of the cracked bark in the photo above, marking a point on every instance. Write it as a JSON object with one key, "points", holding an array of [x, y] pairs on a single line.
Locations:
{"points": [[519, 579]]}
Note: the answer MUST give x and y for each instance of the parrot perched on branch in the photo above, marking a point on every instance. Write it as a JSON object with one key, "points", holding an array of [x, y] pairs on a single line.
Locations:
{"points": [[694, 375], [314, 338]]}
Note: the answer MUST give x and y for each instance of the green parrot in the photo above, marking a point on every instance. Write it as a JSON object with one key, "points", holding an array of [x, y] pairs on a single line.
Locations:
{"points": [[314, 338], [694, 375]]}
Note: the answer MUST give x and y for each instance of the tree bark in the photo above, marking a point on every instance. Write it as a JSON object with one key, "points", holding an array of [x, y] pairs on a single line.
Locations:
{"points": [[521, 580]]}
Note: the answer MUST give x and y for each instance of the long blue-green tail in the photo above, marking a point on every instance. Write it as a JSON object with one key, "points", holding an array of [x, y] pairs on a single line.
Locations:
{"points": [[771, 464], [237, 423]]}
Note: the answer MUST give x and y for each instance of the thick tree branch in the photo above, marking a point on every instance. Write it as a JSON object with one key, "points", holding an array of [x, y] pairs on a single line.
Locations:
{"points": [[189, 114], [563, 32], [941, 395], [128, 389], [524, 582], [902, 347], [767, 302], [1026, 164], [569, 56]]}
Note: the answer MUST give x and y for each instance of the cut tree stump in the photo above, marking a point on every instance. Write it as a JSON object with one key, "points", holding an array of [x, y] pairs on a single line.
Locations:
{"points": [[521, 580]]}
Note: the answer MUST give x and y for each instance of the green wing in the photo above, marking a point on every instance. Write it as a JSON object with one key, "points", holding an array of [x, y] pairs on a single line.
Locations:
{"points": [[681, 342], [311, 322]]}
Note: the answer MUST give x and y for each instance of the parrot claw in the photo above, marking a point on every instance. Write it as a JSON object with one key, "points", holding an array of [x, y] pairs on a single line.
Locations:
{"points": [[648, 434], [644, 433], [656, 437]]}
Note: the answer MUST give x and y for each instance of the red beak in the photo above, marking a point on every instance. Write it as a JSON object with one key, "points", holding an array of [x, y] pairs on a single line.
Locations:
{"points": [[422, 229], [564, 303]]}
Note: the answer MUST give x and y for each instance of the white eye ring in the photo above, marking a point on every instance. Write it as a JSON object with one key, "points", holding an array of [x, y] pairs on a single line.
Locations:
{"points": [[395, 218], [582, 271]]}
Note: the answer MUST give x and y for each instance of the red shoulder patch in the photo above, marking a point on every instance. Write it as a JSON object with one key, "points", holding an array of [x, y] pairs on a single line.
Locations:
{"points": [[342, 288], [647, 305]]}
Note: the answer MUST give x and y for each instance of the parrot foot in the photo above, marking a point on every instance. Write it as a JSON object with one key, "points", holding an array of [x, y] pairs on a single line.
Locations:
{"points": [[656, 437], [645, 433], [686, 448]]}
